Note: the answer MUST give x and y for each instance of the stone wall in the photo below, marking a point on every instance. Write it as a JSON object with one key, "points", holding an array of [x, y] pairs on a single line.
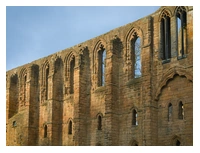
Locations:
{"points": [[57, 100]]}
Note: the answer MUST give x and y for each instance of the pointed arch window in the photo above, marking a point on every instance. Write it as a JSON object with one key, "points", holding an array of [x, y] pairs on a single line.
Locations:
{"points": [[181, 30], [99, 122], [25, 86], [134, 117], [181, 110], [101, 69], [46, 81], [72, 66], [165, 36], [70, 127], [45, 131], [136, 49], [169, 112]]}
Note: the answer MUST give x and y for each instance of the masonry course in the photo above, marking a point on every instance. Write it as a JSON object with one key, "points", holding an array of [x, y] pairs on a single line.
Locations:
{"points": [[58, 101]]}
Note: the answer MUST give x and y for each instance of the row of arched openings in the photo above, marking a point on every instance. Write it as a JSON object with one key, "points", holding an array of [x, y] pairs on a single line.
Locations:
{"points": [[71, 77], [180, 111], [69, 129], [134, 119], [165, 29]]}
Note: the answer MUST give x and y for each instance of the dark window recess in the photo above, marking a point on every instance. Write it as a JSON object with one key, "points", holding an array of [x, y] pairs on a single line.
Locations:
{"points": [[70, 127], [101, 69], [45, 131], [169, 112], [46, 82], [134, 117], [181, 22], [99, 122], [165, 37], [178, 143], [72, 66], [14, 124], [181, 110]]}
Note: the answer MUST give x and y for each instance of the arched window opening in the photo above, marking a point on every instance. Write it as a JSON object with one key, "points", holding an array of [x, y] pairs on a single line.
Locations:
{"points": [[165, 36], [134, 117], [169, 112], [70, 127], [25, 79], [14, 124], [136, 55], [181, 30], [101, 76], [45, 131], [181, 110], [178, 143], [137, 58], [99, 122], [46, 81], [72, 66]]}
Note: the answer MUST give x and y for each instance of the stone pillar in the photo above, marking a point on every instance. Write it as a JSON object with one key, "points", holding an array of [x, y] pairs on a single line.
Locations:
{"points": [[149, 105], [111, 96]]}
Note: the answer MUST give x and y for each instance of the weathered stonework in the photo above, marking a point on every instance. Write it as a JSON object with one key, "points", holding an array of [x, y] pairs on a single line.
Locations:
{"points": [[42, 107]]}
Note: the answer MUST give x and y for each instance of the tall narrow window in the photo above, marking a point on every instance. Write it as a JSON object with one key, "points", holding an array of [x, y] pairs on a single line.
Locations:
{"points": [[99, 123], [102, 57], [181, 30], [72, 65], [181, 110], [165, 36], [45, 131], [169, 112], [25, 79], [134, 117], [70, 127], [46, 82], [137, 52]]}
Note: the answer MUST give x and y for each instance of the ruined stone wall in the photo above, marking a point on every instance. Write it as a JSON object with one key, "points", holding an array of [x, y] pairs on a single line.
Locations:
{"points": [[61, 100]]}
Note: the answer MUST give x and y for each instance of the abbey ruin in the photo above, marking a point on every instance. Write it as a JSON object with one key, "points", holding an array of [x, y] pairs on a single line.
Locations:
{"points": [[132, 86]]}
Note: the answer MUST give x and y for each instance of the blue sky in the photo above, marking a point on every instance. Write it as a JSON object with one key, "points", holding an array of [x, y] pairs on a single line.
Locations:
{"points": [[36, 32]]}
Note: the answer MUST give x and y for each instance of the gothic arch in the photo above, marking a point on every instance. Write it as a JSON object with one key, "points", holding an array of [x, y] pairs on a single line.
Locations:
{"points": [[169, 75], [164, 12], [23, 77], [174, 140], [45, 65], [100, 44], [23, 72], [133, 49], [100, 48], [183, 7], [45, 74], [135, 30], [99, 114], [72, 54], [70, 63]]}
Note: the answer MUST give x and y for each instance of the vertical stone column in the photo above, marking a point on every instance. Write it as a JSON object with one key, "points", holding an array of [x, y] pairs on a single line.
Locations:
{"points": [[111, 97], [33, 124], [149, 105], [76, 121]]}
